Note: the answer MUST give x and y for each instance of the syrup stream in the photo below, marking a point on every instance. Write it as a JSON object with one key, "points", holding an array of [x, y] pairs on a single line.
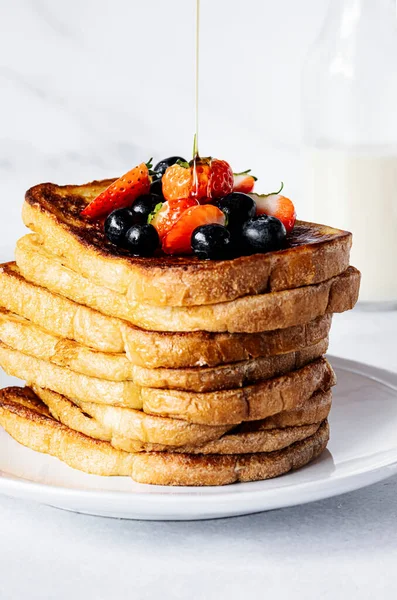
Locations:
{"points": [[196, 156], [195, 181], [197, 73]]}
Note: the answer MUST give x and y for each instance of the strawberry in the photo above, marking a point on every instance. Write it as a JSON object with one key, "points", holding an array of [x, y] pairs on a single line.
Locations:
{"points": [[202, 178], [121, 193], [222, 179], [178, 239], [169, 213], [244, 182], [177, 182], [276, 205]]}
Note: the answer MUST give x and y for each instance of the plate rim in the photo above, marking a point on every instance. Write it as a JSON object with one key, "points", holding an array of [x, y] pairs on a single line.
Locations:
{"points": [[221, 498]]}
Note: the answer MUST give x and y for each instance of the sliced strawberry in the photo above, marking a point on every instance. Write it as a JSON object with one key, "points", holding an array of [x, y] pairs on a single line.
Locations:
{"points": [[164, 219], [276, 205], [177, 182], [244, 182], [178, 239], [121, 193]]}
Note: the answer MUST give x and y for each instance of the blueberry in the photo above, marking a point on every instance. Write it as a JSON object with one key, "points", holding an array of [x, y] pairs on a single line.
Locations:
{"points": [[142, 240], [211, 242], [117, 224], [156, 187], [163, 165], [144, 205], [238, 208], [263, 234]]}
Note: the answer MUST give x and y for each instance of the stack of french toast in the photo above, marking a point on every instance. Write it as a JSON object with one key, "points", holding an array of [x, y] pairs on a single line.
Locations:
{"points": [[170, 369]]}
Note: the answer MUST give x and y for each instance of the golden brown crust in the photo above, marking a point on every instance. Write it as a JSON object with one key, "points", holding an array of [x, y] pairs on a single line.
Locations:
{"points": [[22, 335], [314, 410], [69, 320], [69, 383], [44, 434], [58, 314], [215, 469], [250, 314], [316, 253], [200, 348], [223, 408], [131, 424], [230, 376], [245, 404], [259, 436]]}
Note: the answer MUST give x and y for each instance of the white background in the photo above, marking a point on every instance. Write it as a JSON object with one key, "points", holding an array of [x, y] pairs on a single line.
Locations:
{"points": [[88, 88]]}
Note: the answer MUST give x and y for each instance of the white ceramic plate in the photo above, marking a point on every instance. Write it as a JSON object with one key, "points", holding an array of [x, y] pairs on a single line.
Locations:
{"points": [[362, 450]]}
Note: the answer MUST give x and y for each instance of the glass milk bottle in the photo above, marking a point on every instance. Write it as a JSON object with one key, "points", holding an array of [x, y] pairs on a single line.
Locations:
{"points": [[350, 134]]}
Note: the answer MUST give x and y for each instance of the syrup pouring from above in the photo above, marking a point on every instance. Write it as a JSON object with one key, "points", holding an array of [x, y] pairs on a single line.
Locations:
{"points": [[199, 207]]}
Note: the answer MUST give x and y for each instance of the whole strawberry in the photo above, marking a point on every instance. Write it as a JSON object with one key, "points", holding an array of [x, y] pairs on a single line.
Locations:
{"points": [[203, 179]]}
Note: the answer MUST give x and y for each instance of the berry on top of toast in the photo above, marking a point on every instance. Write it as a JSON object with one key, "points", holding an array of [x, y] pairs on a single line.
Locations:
{"points": [[121, 193], [276, 205], [167, 214], [178, 239], [202, 179], [244, 182], [200, 208]]}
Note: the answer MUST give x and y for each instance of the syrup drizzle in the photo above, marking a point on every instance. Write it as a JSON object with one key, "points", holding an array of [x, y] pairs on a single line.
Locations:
{"points": [[196, 157], [197, 73]]}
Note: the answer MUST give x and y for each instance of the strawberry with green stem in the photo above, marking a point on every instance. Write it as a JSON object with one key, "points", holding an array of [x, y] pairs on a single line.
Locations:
{"points": [[244, 182], [203, 179], [276, 205]]}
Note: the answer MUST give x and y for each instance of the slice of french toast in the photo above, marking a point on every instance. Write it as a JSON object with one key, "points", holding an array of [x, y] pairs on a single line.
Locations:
{"points": [[249, 314], [261, 436], [315, 254], [29, 422], [108, 400], [22, 335], [66, 319]]}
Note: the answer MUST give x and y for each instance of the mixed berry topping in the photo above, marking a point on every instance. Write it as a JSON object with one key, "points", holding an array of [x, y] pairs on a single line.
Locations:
{"points": [[199, 207]]}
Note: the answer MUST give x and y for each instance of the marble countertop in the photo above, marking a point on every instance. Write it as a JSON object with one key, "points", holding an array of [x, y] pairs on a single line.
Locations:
{"points": [[342, 547]]}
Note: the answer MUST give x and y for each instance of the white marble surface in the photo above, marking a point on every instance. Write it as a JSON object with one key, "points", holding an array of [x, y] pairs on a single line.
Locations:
{"points": [[88, 87]]}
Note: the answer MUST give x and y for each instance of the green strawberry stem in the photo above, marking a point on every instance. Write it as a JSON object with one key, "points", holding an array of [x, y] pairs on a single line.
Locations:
{"points": [[246, 173], [271, 193], [183, 164]]}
